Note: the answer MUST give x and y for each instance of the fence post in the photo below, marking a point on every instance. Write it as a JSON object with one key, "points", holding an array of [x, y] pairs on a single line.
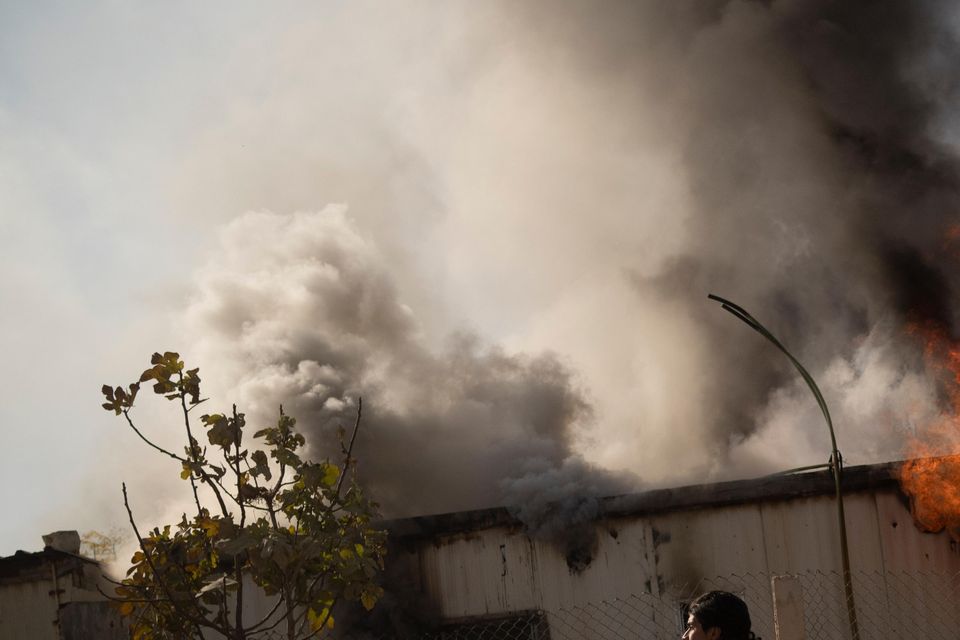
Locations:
{"points": [[787, 608]]}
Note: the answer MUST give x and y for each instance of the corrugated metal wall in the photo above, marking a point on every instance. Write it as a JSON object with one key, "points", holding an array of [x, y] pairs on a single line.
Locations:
{"points": [[500, 569]]}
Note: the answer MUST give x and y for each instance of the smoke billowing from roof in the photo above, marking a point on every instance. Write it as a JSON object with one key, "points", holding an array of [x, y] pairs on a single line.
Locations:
{"points": [[301, 308], [824, 187], [570, 181]]}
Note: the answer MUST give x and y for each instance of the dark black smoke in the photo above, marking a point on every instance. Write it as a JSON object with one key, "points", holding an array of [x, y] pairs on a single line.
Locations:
{"points": [[301, 309], [823, 195], [921, 291]]}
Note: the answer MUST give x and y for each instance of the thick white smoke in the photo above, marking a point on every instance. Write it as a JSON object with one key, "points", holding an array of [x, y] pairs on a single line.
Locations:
{"points": [[875, 402], [541, 196]]}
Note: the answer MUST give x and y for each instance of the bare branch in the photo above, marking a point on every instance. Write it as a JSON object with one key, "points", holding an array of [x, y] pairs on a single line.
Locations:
{"points": [[266, 618], [194, 447], [243, 519], [348, 453], [126, 414]]}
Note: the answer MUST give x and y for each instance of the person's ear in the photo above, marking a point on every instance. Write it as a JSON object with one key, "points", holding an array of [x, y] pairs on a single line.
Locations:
{"points": [[714, 633]]}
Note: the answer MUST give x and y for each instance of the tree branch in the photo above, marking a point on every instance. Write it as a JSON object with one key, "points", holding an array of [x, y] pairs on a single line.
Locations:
{"points": [[194, 447], [194, 620], [348, 454], [238, 567], [126, 415]]}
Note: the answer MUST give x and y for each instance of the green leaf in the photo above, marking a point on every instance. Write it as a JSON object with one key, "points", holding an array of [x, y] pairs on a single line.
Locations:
{"points": [[286, 457], [222, 432], [236, 546], [250, 492], [261, 466]]}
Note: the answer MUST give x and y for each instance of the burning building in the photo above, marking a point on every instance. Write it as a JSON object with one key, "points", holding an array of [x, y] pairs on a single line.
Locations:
{"points": [[626, 572], [800, 156], [774, 540]]}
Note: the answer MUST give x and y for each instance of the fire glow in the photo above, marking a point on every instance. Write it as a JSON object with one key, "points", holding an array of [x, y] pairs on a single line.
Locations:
{"points": [[931, 474]]}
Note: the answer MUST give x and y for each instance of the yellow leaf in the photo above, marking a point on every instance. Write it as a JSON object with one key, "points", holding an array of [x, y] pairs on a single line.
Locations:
{"points": [[126, 608], [368, 600], [359, 549], [316, 619], [212, 527], [185, 473], [312, 617], [330, 475], [330, 621], [346, 554]]}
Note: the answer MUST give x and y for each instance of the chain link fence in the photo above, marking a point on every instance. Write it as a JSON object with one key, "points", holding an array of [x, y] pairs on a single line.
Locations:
{"points": [[521, 625], [889, 606]]}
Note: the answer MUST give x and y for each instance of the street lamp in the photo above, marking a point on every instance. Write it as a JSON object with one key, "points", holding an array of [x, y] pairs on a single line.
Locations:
{"points": [[836, 460]]}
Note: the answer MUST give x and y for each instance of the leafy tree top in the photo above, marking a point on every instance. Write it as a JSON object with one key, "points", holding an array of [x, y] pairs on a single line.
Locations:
{"points": [[265, 519]]}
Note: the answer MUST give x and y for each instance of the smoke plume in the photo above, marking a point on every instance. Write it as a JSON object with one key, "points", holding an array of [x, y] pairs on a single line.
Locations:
{"points": [[301, 308], [541, 196], [823, 194]]}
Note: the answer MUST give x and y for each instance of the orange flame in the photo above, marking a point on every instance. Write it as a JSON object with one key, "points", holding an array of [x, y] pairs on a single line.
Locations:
{"points": [[931, 474]]}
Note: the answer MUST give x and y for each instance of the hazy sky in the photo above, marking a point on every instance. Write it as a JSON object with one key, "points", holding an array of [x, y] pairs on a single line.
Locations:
{"points": [[99, 107], [498, 221]]}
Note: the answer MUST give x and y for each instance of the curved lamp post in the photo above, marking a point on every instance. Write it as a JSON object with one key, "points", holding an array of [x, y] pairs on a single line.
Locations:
{"points": [[836, 460]]}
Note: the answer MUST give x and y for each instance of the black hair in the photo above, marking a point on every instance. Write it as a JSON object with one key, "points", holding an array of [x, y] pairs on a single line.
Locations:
{"points": [[724, 610]]}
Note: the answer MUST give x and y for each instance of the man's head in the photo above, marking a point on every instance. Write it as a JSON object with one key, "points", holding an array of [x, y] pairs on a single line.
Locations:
{"points": [[718, 615]]}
